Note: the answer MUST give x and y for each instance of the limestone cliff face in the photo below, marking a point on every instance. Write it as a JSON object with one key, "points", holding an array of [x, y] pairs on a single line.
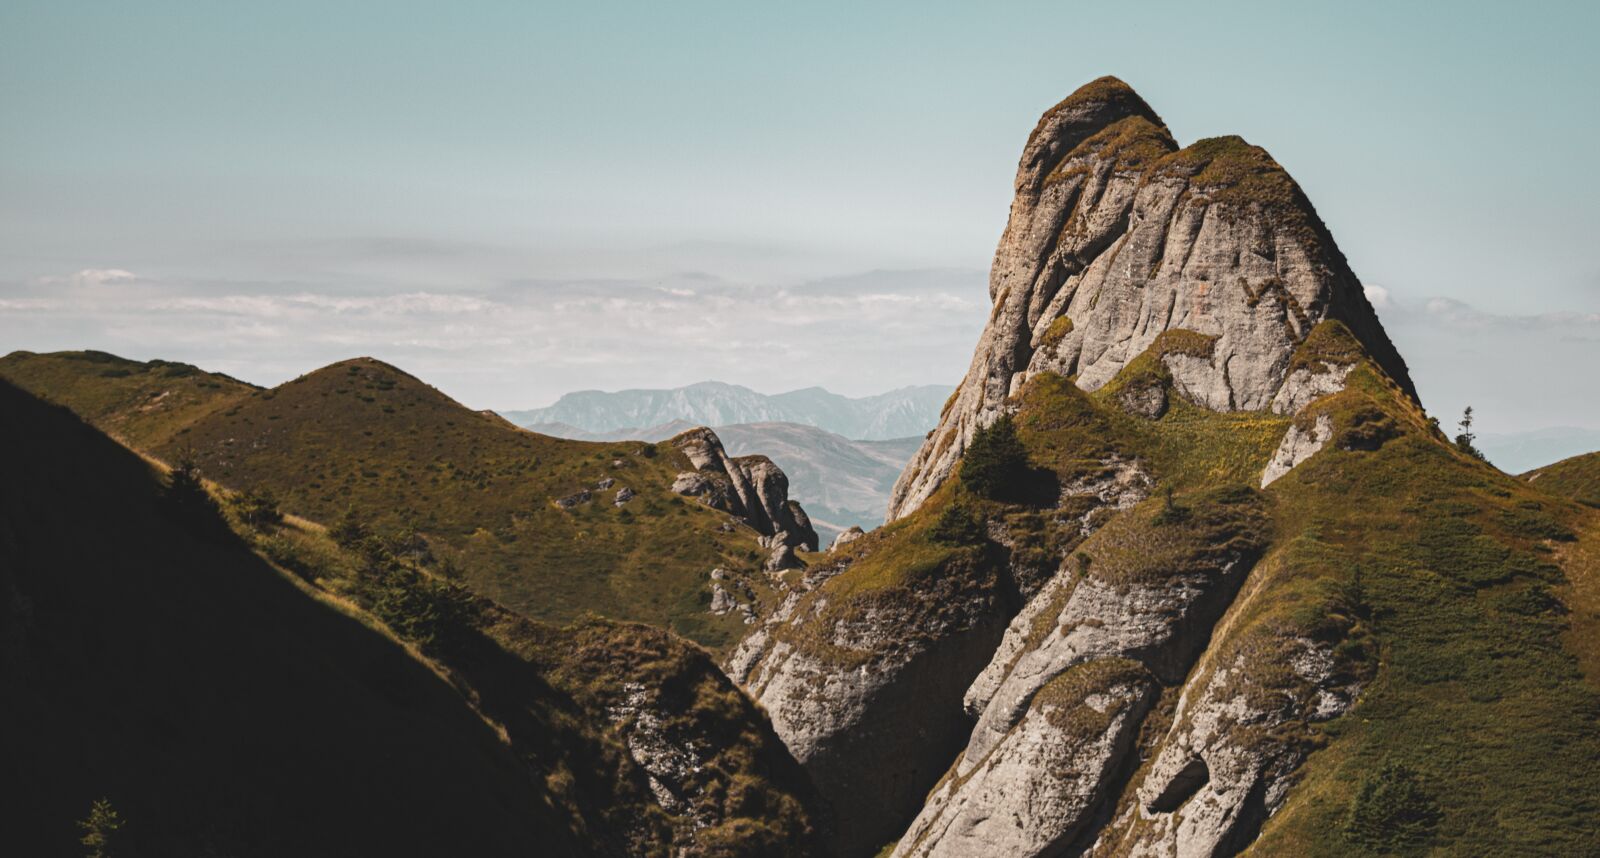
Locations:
{"points": [[1117, 235]]}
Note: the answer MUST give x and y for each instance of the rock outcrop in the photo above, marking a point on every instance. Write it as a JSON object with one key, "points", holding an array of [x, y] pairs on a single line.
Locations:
{"points": [[1059, 704], [750, 488], [1117, 235], [846, 537], [865, 692], [1297, 446], [1019, 639]]}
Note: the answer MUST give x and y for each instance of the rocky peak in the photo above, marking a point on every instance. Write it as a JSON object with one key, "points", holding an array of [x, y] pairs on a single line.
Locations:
{"points": [[1116, 236], [751, 488]]}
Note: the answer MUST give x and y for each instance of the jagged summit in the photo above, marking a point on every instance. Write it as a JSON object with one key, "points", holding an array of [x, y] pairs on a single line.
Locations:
{"points": [[1117, 235], [1093, 108]]}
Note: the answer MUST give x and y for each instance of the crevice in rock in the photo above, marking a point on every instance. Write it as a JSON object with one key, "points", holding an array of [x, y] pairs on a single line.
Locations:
{"points": [[1182, 787], [1247, 824]]}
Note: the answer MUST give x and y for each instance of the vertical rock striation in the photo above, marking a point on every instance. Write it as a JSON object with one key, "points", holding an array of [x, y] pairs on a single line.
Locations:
{"points": [[1115, 236], [1018, 644]]}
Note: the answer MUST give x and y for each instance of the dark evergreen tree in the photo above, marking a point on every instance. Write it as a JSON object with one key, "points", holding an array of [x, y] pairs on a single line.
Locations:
{"points": [[1465, 436], [995, 464]]}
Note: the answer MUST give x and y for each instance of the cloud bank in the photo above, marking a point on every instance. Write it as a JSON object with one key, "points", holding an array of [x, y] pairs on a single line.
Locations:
{"points": [[523, 343], [513, 343]]}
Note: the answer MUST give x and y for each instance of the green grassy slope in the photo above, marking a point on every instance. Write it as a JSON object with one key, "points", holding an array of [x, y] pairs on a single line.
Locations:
{"points": [[226, 709], [361, 436], [218, 707], [1470, 586], [1468, 599], [144, 404], [1577, 478]]}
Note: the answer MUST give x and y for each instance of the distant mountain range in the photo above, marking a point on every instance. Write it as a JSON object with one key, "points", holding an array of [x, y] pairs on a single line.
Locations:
{"points": [[897, 414], [841, 482]]}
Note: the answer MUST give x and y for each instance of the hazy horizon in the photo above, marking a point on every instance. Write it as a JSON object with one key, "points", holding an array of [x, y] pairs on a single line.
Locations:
{"points": [[574, 197]]}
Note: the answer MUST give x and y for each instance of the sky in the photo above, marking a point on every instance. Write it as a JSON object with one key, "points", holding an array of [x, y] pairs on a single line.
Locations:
{"points": [[513, 200]]}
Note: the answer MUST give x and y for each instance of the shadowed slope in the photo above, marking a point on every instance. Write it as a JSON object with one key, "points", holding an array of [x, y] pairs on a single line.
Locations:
{"points": [[363, 436], [213, 702]]}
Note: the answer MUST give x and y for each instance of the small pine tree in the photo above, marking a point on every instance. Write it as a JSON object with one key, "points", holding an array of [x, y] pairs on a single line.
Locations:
{"points": [[99, 829], [410, 545], [958, 526], [424, 610], [995, 463], [258, 508], [1465, 436], [185, 489], [350, 531]]}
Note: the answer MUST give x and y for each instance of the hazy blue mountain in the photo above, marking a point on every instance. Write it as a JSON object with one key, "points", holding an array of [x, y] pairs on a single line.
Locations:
{"points": [[840, 482], [1519, 452], [899, 413]]}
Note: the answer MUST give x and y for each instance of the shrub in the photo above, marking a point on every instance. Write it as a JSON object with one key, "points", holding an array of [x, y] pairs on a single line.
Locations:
{"points": [[958, 526], [184, 489], [995, 463], [1391, 810], [186, 498], [257, 508], [424, 610], [350, 531]]}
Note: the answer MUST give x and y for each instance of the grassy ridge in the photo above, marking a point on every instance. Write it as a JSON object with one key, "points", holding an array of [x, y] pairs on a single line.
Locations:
{"points": [[363, 436], [1470, 583], [225, 709], [143, 403], [1577, 478]]}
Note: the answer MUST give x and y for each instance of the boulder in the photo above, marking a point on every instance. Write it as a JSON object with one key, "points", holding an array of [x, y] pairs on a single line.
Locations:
{"points": [[846, 537]]}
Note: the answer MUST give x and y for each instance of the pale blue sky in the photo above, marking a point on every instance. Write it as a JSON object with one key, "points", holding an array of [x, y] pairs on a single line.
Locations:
{"points": [[517, 199]]}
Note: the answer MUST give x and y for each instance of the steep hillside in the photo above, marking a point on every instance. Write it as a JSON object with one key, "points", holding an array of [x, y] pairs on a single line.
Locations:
{"points": [[1200, 580], [1577, 478], [896, 414], [144, 404], [218, 707], [549, 527], [152, 659]]}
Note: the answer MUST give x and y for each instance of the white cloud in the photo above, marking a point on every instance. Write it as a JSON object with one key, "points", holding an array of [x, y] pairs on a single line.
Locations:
{"points": [[91, 278], [1377, 295], [524, 343]]}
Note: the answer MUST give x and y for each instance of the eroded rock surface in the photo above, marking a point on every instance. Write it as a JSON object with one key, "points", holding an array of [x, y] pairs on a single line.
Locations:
{"points": [[1297, 446], [1058, 705], [867, 697], [1226, 764], [1117, 235], [750, 488]]}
